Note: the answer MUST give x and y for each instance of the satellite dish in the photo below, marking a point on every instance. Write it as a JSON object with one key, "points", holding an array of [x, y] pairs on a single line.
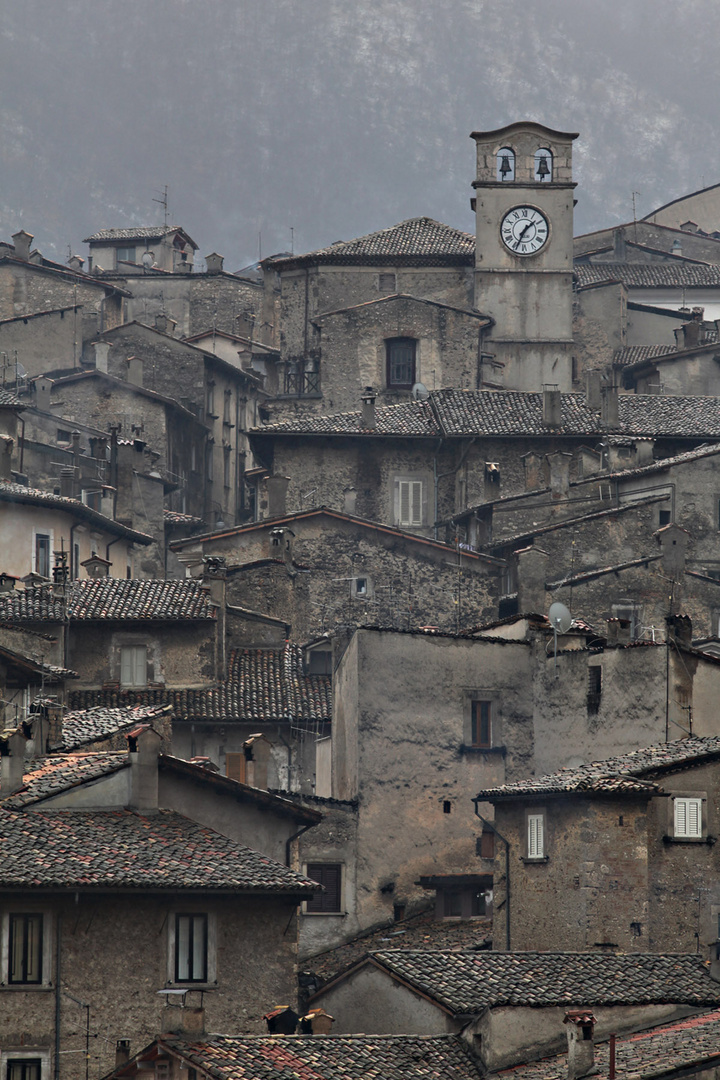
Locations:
{"points": [[560, 618], [420, 392], [148, 259]]}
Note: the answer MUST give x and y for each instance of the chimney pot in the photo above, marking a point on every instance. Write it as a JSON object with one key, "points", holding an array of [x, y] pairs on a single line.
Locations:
{"points": [[144, 769], [67, 482], [22, 241], [122, 1052], [281, 1020], [317, 1022], [593, 398], [12, 769], [581, 1043], [610, 407], [214, 263], [552, 407]]}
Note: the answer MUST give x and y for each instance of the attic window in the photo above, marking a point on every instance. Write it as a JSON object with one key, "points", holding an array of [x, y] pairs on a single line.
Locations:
{"points": [[319, 662], [126, 254]]}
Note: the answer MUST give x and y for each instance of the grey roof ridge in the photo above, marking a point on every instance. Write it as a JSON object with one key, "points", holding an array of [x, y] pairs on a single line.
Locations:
{"points": [[403, 296], [63, 272], [589, 575]]}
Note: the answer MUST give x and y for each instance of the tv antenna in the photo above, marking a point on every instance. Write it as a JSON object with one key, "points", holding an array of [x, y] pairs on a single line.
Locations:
{"points": [[561, 621], [163, 202]]}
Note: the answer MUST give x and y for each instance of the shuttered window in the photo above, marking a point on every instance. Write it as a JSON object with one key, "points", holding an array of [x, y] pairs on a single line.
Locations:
{"points": [[329, 875], [24, 1069], [191, 948], [410, 502], [133, 665], [235, 767], [25, 948], [536, 836], [482, 724], [688, 818]]}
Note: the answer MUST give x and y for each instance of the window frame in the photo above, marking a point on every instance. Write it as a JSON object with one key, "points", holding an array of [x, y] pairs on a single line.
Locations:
{"points": [[391, 345], [688, 800], [25, 1055], [135, 648], [210, 947], [535, 840], [476, 724], [46, 950], [236, 766], [49, 535], [318, 905], [411, 521]]}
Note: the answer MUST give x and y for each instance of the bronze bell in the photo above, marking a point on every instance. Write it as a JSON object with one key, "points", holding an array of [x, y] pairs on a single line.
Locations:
{"points": [[542, 167], [505, 166]]}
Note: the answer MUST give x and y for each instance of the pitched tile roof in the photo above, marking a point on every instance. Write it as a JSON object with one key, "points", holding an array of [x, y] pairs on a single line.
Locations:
{"points": [[635, 354], [513, 413], [263, 686], [19, 493], [629, 772], [677, 274], [121, 848], [417, 241], [686, 1044], [49, 776], [112, 598], [330, 1057], [468, 982], [88, 725], [139, 232], [9, 400]]}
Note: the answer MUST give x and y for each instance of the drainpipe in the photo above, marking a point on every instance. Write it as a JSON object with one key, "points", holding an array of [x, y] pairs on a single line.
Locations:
{"points": [[58, 925], [507, 872], [290, 839], [22, 443]]}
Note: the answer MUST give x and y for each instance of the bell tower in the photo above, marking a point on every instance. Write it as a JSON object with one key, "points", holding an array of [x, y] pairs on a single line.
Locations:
{"points": [[524, 252]]}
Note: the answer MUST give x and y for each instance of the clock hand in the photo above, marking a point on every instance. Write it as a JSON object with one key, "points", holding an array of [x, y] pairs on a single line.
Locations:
{"points": [[525, 230]]}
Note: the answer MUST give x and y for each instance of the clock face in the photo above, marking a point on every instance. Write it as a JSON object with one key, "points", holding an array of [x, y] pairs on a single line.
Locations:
{"points": [[524, 230]]}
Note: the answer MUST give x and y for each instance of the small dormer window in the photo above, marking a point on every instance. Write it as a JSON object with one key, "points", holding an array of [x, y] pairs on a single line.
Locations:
{"points": [[126, 254], [543, 166], [505, 164]]}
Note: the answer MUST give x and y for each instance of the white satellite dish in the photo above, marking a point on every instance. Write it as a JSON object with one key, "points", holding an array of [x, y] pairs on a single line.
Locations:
{"points": [[420, 392], [148, 260], [560, 618], [561, 621]]}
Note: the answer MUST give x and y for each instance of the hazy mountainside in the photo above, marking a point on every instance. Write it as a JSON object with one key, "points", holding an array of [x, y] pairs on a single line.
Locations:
{"points": [[337, 118]]}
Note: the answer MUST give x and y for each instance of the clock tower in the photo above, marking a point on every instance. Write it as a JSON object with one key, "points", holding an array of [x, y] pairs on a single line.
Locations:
{"points": [[524, 253]]}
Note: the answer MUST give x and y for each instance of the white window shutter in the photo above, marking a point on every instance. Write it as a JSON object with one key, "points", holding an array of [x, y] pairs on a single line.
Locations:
{"points": [[404, 502], [140, 665], [688, 817], [536, 839], [694, 818], [417, 494], [126, 667]]}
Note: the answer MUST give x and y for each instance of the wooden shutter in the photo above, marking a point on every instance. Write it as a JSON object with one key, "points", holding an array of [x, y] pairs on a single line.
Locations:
{"points": [[328, 875], [235, 767], [536, 839]]}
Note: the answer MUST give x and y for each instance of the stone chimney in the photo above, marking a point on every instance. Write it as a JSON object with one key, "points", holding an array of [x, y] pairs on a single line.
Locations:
{"points": [[102, 348], [593, 397], [581, 1043], [610, 407], [531, 571], [135, 370], [680, 629], [6, 449], [619, 250], [534, 472], [559, 463], [76, 263], [552, 407], [691, 333], [618, 631], [122, 1052], [144, 743], [67, 482], [107, 501], [281, 1020], [316, 1022], [214, 263], [368, 420], [12, 767], [257, 758], [674, 542], [43, 391], [277, 494], [164, 323], [96, 567], [22, 241]]}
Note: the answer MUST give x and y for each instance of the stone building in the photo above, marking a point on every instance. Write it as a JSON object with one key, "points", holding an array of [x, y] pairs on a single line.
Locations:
{"points": [[84, 892], [511, 1006], [614, 855], [160, 247], [322, 568]]}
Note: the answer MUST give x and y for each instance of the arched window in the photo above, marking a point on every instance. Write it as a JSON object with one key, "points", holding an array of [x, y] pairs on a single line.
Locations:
{"points": [[505, 163], [543, 165]]}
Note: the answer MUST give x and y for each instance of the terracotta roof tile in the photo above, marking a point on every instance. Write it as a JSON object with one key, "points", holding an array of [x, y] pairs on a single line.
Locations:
{"points": [[121, 848], [111, 598], [514, 413], [88, 725], [51, 775], [684, 1044], [634, 354], [468, 982], [330, 1057], [678, 274], [10, 492], [629, 772], [139, 232], [417, 241], [263, 685]]}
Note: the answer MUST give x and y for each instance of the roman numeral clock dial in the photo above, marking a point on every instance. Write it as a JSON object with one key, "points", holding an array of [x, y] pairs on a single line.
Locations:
{"points": [[524, 230]]}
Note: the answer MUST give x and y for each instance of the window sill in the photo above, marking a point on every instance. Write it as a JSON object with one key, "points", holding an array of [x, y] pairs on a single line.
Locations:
{"points": [[314, 396], [533, 862], [468, 748], [190, 986], [709, 840], [324, 914], [27, 988]]}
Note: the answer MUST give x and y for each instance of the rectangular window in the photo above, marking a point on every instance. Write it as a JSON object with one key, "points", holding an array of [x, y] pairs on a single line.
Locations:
{"points": [[452, 904], [133, 665], [536, 836], [226, 466], [235, 767], [126, 254], [664, 518], [594, 688], [688, 818], [481, 733], [42, 554], [63, 435], [191, 948], [400, 353], [329, 875], [24, 1069], [210, 399], [410, 503], [226, 406], [25, 949], [386, 283]]}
